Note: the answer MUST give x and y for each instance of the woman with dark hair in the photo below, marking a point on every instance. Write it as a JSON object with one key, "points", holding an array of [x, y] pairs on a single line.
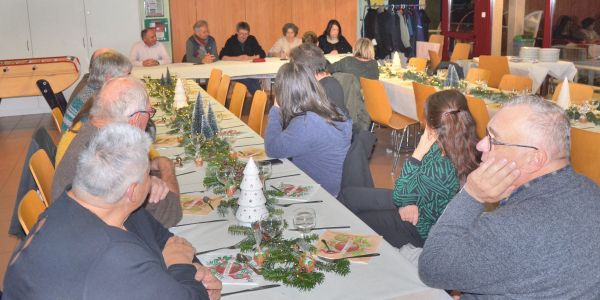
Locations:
{"points": [[587, 33], [289, 40], [563, 29], [306, 128], [332, 41], [430, 178]]}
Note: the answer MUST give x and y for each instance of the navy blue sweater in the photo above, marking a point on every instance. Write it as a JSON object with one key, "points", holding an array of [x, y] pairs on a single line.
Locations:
{"points": [[316, 147], [75, 255]]}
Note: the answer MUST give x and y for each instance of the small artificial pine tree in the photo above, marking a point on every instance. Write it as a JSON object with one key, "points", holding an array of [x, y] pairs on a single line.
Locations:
{"points": [[169, 80], [212, 119], [162, 79], [198, 116], [207, 131]]}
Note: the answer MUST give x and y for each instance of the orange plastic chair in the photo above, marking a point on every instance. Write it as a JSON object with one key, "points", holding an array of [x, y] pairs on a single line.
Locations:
{"points": [[579, 93], [517, 83], [480, 114], [585, 149], [476, 74], [418, 63], [498, 67], [30, 208], [257, 112], [378, 106], [422, 92], [57, 115], [43, 172], [435, 59], [461, 51], [437, 38], [237, 99], [213, 82], [223, 89]]}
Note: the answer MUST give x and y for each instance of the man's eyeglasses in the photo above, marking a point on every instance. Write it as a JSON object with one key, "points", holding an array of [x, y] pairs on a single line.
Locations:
{"points": [[151, 112], [493, 141]]}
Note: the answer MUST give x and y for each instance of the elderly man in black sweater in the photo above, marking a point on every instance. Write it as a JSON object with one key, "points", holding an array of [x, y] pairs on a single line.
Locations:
{"points": [[95, 242]]}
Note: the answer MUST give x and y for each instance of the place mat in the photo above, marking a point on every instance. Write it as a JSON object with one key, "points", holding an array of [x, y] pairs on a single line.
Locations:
{"points": [[296, 191], [195, 205], [165, 140], [228, 270], [254, 152], [347, 244]]}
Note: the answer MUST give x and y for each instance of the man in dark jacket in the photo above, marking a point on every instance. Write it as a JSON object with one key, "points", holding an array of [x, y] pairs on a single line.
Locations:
{"points": [[243, 46], [95, 242]]}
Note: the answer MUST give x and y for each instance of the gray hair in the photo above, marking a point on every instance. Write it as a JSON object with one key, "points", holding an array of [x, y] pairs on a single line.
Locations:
{"points": [[119, 98], [289, 26], [548, 125], [310, 56], [108, 64], [115, 158], [200, 24]]}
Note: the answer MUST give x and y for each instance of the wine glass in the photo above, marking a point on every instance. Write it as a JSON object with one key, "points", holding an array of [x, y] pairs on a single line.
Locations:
{"points": [[271, 226], [264, 171], [305, 220]]}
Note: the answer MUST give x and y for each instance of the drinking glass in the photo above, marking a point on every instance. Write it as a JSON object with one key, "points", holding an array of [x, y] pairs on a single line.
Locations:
{"points": [[305, 220], [264, 171]]}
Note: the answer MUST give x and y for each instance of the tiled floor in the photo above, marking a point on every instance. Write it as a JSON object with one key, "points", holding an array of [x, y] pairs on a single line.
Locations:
{"points": [[15, 135]]}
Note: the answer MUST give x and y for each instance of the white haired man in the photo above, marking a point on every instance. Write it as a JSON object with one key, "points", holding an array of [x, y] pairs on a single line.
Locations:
{"points": [[95, 242], [124, 100], [542, 241]]}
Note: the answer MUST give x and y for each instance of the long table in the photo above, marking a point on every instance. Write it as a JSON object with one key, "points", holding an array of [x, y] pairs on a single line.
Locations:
{"points": [[402, 100], [389, 276], [235, 69], [537, 71]]}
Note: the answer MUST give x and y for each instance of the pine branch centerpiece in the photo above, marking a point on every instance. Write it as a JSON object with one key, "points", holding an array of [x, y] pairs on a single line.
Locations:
{"points": [[289, 261]]}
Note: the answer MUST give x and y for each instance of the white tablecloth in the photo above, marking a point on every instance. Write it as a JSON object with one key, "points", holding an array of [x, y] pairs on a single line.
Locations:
{"points": [[535, 71], [389, 276], [235, 69], [402, 99]]}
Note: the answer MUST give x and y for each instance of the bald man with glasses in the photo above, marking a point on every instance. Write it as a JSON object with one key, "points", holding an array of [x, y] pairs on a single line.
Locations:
{"points": [[542, 241]]}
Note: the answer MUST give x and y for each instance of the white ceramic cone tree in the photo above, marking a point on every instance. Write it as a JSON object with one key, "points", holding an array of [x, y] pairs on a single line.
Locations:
{"points": [[252, 200], [564, 98], [180, 99]]}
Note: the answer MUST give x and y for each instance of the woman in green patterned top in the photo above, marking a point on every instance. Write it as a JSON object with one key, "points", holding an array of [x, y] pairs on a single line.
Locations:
{"points": [[430, 178]]}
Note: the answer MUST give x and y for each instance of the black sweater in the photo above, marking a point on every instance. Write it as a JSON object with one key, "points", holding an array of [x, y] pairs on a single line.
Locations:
{"points": [[75, 255], [250, 47]]}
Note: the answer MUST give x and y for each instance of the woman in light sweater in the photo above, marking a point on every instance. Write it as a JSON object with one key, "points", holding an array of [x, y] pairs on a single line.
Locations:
{"points": [[306, 128], [284, 44]]}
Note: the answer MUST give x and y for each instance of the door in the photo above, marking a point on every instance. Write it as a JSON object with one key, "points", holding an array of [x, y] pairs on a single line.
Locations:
{"points": [[58, 29], [467, 21], [112, 24], [14, 30]]}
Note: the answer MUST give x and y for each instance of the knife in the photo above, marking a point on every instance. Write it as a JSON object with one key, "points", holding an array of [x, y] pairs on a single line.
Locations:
{"points": [[322, 228], [348, 257], [264, 287]]}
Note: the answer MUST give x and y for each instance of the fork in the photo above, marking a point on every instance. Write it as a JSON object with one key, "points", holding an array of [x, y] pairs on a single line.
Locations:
{"points": [[234, 246], [290, 204]]}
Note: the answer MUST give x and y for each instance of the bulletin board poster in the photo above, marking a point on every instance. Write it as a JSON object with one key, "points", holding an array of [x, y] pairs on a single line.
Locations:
{"points": [[154, 8], [162, 28]]}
